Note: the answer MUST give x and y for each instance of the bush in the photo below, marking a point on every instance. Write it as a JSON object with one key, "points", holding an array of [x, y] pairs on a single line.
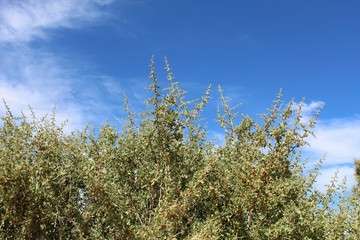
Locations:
{"points": [[161, 178]]}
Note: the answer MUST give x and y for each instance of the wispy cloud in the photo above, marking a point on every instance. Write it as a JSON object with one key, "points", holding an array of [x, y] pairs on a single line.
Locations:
{"points": [[38, 77], [41, 81], [23, 21]]}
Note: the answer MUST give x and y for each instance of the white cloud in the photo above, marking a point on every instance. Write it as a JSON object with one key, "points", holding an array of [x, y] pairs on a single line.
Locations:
{"points": [[43, 80], [39, 78], [23, 21], [338, 140]]}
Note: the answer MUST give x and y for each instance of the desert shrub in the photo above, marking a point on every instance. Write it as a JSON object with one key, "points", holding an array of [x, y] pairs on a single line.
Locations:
{"points": [[160, 177], [39, 179]]}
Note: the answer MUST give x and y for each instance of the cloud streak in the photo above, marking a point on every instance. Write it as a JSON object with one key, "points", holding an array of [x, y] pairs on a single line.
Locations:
{"points": [[38, 80], [37, 77], [23, 21]]}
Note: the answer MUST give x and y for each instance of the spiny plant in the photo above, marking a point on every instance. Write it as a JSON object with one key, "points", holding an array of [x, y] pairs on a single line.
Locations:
{"points": [[160, 177]]}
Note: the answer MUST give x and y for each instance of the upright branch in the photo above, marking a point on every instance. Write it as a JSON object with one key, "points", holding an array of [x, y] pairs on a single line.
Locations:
{"points": [[154, 87], [226, 119]]}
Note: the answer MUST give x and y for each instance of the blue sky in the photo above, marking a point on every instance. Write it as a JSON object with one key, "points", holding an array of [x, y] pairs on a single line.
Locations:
{"points": [[83, 55]]}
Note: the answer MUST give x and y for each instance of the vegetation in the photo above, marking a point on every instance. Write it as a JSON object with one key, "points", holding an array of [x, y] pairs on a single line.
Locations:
{"points": [[160, 177]]}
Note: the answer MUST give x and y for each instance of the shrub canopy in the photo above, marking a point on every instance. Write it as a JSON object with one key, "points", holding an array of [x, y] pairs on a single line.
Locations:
{"points": [[160, 177]]}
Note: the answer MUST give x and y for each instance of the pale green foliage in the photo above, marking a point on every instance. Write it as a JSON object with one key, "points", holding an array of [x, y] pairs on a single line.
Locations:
{"points": [[161, 178], [357, 171], [39, 179]]}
